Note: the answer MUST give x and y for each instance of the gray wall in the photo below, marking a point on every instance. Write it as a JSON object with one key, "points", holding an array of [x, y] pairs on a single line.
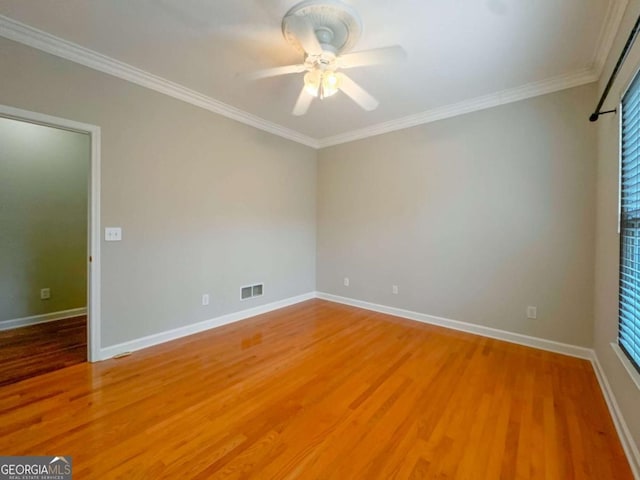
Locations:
{"points": [[206, 204], [474, 217], [44, 176], [607, 239]]}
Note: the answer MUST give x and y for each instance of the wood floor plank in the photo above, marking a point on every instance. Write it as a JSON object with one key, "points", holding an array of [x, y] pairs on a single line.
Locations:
{"points": [[37, 349], [321, 391]]}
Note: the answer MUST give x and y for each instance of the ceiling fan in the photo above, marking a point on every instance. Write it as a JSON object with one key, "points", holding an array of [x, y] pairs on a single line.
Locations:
{"points": [[324, 30]]}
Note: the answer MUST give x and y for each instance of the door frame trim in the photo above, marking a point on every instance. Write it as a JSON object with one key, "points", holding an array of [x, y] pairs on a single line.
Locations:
{"points": [[93, 232]]}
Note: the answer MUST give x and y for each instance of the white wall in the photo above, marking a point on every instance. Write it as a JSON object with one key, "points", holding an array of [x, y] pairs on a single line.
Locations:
{"points": [[607, 239], [474, 217], [44, 176], [206, 204]]}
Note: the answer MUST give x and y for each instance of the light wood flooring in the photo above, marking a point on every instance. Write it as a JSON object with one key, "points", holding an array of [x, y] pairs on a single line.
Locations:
{"points": [[29, 351], [321, 391]]}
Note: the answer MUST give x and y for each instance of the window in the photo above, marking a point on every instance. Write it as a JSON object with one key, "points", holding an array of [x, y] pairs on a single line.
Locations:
{"points": [[629, 302]]}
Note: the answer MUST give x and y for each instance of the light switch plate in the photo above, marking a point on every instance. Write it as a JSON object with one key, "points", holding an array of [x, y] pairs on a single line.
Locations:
{"points": [[113, 234]]}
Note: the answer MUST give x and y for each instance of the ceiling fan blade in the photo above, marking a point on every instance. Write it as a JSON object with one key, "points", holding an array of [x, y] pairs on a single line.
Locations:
{"points": [[375, 56], [303, 103], [303, 30], [356, 92], [273, 72]]}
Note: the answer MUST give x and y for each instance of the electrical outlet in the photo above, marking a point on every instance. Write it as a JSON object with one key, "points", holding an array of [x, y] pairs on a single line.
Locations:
{"points": [[113, 234], [45, 293], [346, 281], [394, 289], [532, 312], [205, 299]]}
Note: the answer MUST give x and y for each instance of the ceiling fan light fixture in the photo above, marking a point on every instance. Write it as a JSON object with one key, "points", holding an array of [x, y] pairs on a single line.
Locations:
{"points": [[330, 83], [312, 81], [321, 84]]}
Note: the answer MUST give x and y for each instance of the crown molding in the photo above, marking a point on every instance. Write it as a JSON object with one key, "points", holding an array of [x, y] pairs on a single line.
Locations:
{"points": [[27, 35], [608, 33], [503, 97]]}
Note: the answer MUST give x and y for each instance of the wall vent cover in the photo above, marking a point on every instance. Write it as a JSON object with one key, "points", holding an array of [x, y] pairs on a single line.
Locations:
{"points": [[251, 291]]}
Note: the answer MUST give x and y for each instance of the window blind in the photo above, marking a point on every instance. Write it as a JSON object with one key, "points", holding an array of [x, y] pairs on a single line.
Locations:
{"points": [[629, 302]]}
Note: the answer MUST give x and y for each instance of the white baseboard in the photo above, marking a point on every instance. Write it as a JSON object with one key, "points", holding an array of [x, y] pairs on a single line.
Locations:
{"points": [[44, 318], [158, 338], [520, 339], [630, 447]]}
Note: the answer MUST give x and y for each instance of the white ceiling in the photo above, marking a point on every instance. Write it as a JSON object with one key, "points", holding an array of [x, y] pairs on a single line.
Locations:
{"points": [[458, 51]]}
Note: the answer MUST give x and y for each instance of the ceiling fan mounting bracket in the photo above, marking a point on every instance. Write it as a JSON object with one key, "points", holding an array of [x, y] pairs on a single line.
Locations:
{"points": [[337, 26]]}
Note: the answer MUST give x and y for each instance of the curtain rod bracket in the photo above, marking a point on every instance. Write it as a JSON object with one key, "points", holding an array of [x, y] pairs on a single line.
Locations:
{"points": [[616, 69], [594, 116]]}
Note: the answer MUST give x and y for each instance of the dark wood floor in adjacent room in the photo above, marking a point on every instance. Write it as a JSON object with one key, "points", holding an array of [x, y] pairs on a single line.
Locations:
{"points": [[321, 391], [29, 351]]}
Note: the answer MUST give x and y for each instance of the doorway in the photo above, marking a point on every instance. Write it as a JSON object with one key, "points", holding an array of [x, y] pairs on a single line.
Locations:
{"points": [[49, 243]]}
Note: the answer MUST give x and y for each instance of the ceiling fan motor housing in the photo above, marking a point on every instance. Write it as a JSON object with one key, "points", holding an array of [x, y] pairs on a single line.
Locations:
{"points": [[337, 26]]}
